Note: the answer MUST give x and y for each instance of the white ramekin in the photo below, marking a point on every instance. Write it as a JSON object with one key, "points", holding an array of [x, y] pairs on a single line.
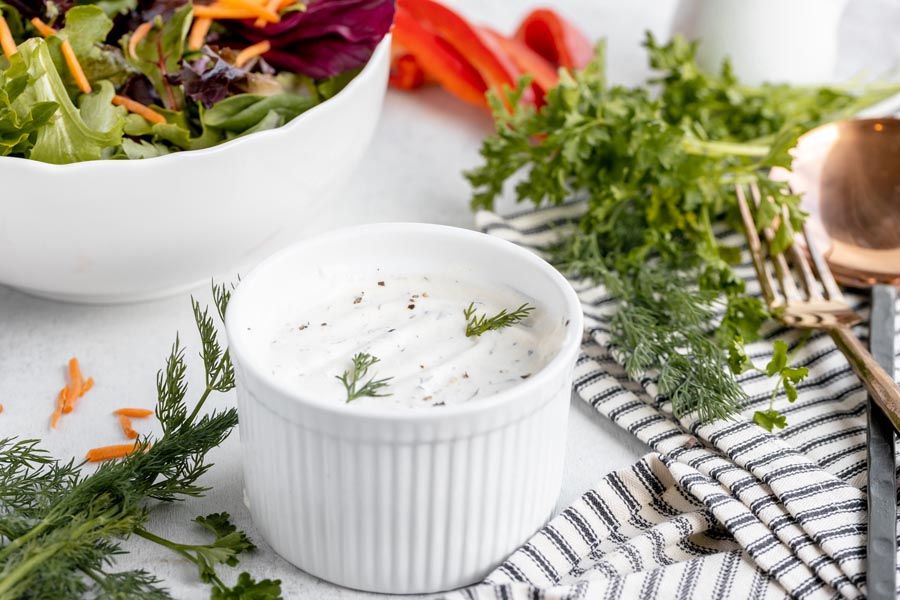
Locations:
{"points": [[414, 501]]}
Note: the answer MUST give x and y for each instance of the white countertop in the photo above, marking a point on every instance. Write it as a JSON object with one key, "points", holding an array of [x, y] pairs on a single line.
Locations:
{"points": [[411, 173]]}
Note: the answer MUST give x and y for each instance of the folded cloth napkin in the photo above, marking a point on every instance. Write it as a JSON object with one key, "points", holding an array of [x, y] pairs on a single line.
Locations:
{"points": [[717, 510]]}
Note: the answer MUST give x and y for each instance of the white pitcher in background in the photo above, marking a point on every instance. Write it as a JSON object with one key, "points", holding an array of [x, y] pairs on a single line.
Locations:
{"points": [[791, 41]]}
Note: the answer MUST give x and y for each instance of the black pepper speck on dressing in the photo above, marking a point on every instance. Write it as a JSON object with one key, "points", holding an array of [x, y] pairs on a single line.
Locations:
{"points": [[415, 326]]}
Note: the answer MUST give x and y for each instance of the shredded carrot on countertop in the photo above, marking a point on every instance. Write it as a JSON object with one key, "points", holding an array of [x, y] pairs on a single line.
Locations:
{"points": [[7, 43], [139, 33], [60, 400], [75, 389], [139, 109], [136, 413], [251, 52], [129, 432], [81, 79], [110, 452], [1, 408], [43, 29], [198, 33]]}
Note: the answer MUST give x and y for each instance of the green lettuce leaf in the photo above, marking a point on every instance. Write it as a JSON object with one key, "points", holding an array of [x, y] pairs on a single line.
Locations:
{"points": [[248, 113], [160, 53], [137, 149], [86, 29], [176, 130], [18, 127], [71, 135], [113, 8]]}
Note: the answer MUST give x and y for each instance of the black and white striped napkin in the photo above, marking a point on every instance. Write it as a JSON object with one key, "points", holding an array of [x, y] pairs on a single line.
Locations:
{"points": [[716, 510]]}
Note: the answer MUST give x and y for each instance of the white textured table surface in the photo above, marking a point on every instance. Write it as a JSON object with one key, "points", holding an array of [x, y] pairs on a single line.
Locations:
{"points": [[412, 173]]}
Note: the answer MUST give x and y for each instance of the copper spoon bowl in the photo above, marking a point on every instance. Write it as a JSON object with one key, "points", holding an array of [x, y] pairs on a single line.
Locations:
{"points": [[848, 174]]}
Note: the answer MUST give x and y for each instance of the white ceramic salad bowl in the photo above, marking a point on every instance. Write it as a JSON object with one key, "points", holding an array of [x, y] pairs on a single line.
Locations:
{"points": [[119, 231], [408, 501]]}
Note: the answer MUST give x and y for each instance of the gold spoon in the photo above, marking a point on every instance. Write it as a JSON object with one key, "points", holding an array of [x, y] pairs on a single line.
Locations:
{"points": [[848, 173]]}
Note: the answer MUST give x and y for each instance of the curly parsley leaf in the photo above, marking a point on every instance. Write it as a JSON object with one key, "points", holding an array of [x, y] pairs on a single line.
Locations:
{"points": [[248, 588]]}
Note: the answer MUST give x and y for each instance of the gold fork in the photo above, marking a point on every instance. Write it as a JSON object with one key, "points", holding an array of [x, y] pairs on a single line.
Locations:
{"points": [[817, 303]]}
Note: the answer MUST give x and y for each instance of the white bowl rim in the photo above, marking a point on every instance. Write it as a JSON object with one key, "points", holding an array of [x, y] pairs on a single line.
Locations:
{"points": [[563, 360], [380, 53]]}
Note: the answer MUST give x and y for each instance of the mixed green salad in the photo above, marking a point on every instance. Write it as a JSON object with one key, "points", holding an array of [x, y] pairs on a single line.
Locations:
{"points": [[128, 79]]}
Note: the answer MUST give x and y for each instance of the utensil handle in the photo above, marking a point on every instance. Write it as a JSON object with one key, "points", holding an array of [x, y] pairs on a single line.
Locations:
{"points": [[881, 386], [881, 555]]}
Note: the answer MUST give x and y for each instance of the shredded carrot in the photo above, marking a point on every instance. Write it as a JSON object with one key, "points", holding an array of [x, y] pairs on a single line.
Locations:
{"points": [[60, 400], [69, 397], [125, 422], [43, 29], [139, 109], [1, 408], [140, 33], [76, 377], [75, 67], [257, 9], [110, 452], [271, 5], [251, 52], [137, 413], [198, 33], [75, 389], [219, 11], [7, 43]]}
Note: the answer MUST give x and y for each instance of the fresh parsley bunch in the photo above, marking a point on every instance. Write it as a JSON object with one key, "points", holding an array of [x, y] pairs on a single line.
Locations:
{"points": [[658, 165]]}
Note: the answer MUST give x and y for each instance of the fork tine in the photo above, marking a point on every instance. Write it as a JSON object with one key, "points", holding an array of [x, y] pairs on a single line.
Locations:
{"points": [[832, 291], [756, 253], [808, 278], [782, 269]]}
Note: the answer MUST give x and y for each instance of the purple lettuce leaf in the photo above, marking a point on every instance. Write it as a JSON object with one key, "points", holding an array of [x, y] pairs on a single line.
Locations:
{"points": [[329, 38], [206, 84]]}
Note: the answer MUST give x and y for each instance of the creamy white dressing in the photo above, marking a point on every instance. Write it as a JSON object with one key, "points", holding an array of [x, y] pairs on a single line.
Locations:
{"points": [[414, 324]]}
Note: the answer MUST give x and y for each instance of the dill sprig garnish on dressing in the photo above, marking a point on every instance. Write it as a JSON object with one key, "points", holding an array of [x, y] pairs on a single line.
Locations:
{"points": [[61, 527], [351, 378], [478, 324], [657, 165]]}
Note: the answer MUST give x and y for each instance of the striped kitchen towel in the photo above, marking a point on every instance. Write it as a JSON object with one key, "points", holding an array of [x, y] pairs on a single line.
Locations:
{"points": [[717, 510]]}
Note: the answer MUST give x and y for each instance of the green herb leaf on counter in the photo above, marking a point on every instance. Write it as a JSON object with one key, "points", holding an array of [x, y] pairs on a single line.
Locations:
{"points": [[657, 165], [228, 545], [247, 588], [362, 361], [477, 325], [61, 527]]}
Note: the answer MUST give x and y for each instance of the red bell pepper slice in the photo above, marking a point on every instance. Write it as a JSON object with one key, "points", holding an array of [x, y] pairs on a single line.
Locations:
{"points": [[544, 76], [406, 72], [440, 61], [496, 69], [554, 38]]}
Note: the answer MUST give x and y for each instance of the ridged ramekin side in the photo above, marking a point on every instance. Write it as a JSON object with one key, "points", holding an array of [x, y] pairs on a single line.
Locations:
{"points": [[401, 517]]}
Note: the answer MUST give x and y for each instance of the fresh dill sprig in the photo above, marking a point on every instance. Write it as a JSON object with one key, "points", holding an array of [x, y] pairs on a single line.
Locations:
{"points": [[362, 361], [478, 324], [60, 527]]}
